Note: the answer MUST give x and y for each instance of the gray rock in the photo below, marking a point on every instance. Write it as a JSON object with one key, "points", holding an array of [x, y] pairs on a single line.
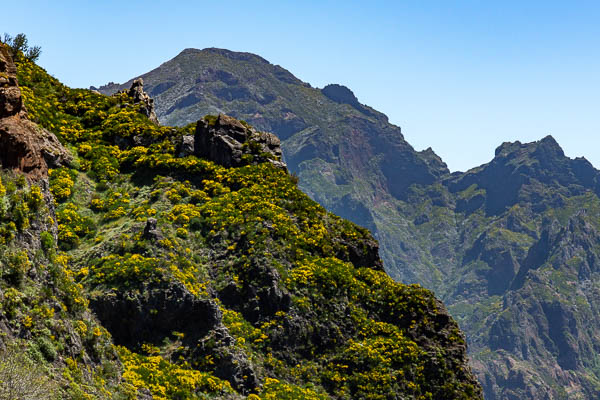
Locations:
{"points": [[151, 232], [186, 147], [231, 143], [139, 96]]}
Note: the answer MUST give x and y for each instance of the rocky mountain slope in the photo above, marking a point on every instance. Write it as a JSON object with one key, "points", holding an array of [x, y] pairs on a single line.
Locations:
{"points": [[46, 326], [510, 246], [521, 236], [184, 263], [347, 155]]}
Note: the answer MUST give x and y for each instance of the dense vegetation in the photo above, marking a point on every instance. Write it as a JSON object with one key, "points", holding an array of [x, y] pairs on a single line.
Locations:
{"points": [[176, 277], [510, 246]]}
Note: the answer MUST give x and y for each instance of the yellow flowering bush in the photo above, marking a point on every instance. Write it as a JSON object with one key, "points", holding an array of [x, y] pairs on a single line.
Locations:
{"points": [[274, 389], [61, 183], [168, 381]]}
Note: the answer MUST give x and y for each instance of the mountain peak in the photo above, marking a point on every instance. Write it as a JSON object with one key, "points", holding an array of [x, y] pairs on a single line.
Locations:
{"points": [[549, 144], [546, 148], [233, 55], [517, 165], [340, 94], [549, 139]]}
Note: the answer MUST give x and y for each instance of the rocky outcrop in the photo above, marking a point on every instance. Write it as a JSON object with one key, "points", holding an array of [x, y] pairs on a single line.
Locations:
{"points": [[232, 143], [136, 91], [154, 313], [24, 146], [151, 231], [340, 94], [10, 94]]}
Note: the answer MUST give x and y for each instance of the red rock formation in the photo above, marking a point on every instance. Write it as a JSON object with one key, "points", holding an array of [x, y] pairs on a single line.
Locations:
{"points": [[24, 146]]}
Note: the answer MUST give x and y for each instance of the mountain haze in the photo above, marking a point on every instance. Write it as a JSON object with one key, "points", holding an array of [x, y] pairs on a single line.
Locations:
{"points": [[511, 246]]}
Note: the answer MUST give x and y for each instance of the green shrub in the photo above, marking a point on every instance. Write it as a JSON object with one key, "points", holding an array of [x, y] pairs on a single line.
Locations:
{"points": [[47, 241]]}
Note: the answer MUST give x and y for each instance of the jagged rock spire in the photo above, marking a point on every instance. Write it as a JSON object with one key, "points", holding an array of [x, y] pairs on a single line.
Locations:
{"points": [[139, 96]]}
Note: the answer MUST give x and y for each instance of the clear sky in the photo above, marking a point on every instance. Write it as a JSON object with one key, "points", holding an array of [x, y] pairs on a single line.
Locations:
{"points": [[460, 76]]}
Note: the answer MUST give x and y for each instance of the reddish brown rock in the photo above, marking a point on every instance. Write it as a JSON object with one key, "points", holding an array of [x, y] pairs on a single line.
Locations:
{"points": [[10, 94], [24, 146]]}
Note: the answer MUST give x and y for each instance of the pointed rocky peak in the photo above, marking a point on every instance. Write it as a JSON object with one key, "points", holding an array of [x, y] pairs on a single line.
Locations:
{"points": [[546, 149], [342, 95], [549, 143], [541, 166], [140, 97], [545, 161], [435, 162]]}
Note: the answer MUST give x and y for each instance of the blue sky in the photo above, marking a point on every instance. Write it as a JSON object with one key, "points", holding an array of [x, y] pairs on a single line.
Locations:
{"points": [[460, 76]]}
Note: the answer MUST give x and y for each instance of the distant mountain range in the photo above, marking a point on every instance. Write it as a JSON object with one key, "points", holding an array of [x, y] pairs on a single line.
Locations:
{"points": [[512, 247]]}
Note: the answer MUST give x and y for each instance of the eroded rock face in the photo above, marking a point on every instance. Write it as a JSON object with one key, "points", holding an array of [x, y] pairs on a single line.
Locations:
{"points": [[24, 146], [175, 309], [155, 312], [139, 96], [230, 143], [10, 94]]}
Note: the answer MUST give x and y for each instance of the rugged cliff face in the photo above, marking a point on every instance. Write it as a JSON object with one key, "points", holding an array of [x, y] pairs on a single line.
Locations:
{"points": [[510, 245], [23, 145], [185, 263], [521, 236]]}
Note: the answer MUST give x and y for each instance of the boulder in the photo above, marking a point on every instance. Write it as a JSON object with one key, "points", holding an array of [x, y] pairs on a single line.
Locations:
{"points": [[186, 147], [231, 143]]}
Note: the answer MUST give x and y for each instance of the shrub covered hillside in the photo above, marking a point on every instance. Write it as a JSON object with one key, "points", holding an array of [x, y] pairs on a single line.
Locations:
{"points": [[175, 277]]}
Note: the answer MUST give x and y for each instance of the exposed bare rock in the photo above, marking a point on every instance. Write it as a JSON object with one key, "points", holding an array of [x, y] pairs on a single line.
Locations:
{"points": [[24, 146], [186, 147], [10, 94], [139, 96], [230, 143], [151, 230]]}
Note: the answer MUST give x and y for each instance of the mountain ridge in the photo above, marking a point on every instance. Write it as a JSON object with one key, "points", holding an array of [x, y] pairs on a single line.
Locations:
{"points": [[500, 243]]}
